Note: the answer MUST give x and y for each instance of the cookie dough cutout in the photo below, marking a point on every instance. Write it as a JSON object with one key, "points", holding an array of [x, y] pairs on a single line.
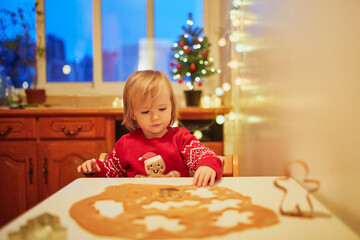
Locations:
{"points": [[164, 212]]}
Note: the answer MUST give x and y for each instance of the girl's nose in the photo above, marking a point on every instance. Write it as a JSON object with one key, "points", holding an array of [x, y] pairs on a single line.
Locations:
{"points": [[155, 116]]}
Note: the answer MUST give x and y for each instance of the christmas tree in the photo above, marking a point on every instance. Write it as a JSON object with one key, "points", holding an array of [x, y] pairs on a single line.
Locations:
{"points": [[191, 61]]}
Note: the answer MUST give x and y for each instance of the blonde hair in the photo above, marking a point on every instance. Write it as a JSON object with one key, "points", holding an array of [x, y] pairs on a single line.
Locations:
{"points": [[138, 87]]}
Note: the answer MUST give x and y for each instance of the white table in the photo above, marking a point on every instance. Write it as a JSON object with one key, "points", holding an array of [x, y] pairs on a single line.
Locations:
{"points": [[261, 190]]}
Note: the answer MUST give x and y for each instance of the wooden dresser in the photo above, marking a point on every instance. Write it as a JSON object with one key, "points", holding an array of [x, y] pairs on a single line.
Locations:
{"points": [[40, 149]]}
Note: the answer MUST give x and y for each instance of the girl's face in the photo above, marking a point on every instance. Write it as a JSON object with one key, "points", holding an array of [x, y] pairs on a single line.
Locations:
{"points": [[154, 117]]}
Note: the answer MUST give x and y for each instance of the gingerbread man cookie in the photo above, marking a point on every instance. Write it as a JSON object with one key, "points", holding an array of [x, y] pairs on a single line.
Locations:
{"points": [[155, 166], [295, 201]]}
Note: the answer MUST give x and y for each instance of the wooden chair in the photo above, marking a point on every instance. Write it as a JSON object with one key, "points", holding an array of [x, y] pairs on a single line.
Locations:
{"points": [[230, 164]]}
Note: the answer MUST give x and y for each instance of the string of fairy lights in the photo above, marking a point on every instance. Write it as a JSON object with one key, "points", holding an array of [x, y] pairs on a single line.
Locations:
{"points": [[234, 38]]}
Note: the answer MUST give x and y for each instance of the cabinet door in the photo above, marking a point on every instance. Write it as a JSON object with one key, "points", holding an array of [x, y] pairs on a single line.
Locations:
{"points": [[18, 179], [58, 161]]}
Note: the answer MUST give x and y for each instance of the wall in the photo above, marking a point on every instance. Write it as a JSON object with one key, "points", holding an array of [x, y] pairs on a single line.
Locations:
{"points": [[303, 100]]}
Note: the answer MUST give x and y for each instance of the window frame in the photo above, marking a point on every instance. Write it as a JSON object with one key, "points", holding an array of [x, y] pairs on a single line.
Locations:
{"points": [[98, 87]]}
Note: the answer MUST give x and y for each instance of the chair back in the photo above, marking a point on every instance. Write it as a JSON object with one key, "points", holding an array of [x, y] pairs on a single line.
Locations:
{"points": [[230, 165]]}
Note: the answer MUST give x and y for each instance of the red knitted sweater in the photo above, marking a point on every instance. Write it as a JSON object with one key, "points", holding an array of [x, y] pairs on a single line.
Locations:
{"points": [[177, 153]]}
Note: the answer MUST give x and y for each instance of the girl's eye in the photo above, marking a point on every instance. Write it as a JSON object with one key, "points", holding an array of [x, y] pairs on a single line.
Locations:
{"points": [[162, 109], [145, 112]]}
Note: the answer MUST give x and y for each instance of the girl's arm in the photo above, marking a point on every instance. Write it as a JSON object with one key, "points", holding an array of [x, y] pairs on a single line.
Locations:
{"points": [[111, 167], [196, 155]]}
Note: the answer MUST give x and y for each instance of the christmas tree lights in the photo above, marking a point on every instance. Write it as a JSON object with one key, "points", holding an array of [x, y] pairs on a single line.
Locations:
{"points": [[191, 61]]}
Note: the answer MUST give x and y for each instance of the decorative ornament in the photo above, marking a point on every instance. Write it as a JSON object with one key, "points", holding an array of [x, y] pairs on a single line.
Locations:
{"points": [[171, 64], [192, 67], [187, 50], [203, 54], [222, 42], [180, 80], [182, 44], [178, 66], [200, 84]]}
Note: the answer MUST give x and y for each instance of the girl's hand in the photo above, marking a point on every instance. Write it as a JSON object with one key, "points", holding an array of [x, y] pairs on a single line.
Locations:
{"points": [[89, 166], [203, 176]]}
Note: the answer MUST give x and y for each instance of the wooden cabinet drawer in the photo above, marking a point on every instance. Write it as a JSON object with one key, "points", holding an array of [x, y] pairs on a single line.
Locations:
{"points": [[72, 127], [17, 128]]}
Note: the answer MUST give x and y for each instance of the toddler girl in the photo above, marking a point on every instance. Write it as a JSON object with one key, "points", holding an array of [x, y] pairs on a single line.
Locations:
{"points": [[153, 148]]}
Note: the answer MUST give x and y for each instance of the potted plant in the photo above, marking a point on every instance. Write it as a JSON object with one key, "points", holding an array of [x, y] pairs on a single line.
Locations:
{"points": [[19, 50], [191, 61]]}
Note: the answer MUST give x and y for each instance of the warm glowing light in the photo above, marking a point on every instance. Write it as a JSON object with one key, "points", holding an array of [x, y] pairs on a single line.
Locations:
{"points": [[175, 45], [254, 119], [117, 103], [235, 14], [234, 64], [25, 85], [198, 134], [248, 22], [206, 102], [238, 81], [231, 116], [220, 119], [222, 42], [216, 101], [190, 86], [237, 3], [236, 22], [235, 36], [189, 22], [219, 91], [66, 69], [226, 86], [239, 47]]}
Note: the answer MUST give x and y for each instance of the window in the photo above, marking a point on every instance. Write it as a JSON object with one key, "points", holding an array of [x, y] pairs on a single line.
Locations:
{"points": [[125, 45], [69, 54], [123, 31], [17, 41], [108, 42]]}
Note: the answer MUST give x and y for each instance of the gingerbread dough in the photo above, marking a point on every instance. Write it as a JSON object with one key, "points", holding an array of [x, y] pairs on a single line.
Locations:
{"points": [[194, 219]]}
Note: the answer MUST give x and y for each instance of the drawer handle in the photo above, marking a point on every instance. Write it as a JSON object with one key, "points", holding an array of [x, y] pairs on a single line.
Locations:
{"points": [[71, 132], [45, 170], [31, 171], [8, 130]]}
